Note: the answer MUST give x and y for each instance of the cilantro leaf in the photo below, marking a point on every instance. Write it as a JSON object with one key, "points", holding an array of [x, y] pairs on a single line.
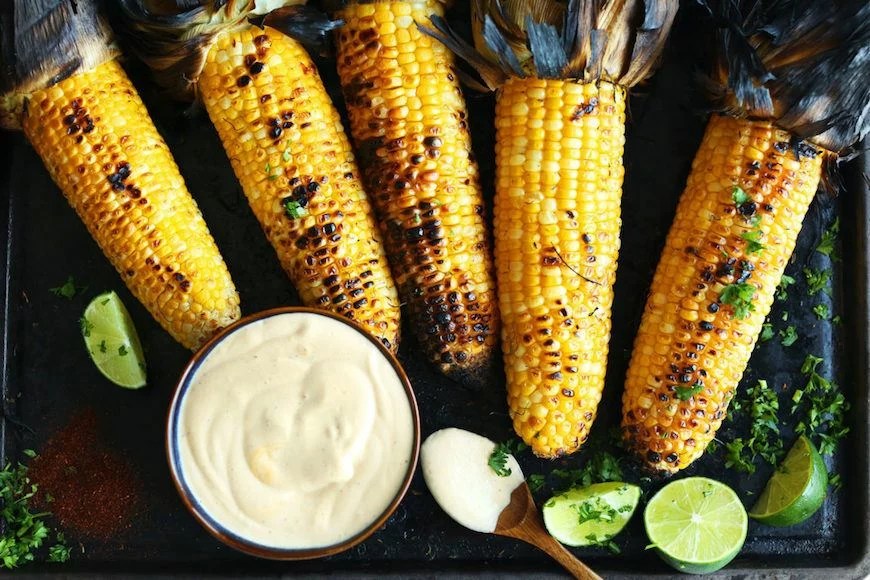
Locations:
{"points": [[739, 297], [817, 281], [86, 326], [684, 393], [293, 208], [782, 289], [739, 196], [498, 460], [822, 311], [753, 241], [766, 332], [788, 336], [68, 289], [535, 481], [828, 243]]}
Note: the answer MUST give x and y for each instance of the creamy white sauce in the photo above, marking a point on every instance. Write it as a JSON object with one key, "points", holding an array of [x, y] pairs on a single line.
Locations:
{"points": [[456, 468], [295, 432]]}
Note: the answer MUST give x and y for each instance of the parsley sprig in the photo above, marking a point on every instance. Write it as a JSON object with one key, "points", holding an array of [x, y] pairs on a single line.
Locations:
{"points": [[739, 297]]}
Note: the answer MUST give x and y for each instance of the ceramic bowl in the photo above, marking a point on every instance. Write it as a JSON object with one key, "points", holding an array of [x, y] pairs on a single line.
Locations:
{"points": [[233, 539]]}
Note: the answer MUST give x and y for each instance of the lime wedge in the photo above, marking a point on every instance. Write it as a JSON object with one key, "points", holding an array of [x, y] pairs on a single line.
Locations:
{"points": [[697, 525], [112, 342], [797, 488], [584, 516]]}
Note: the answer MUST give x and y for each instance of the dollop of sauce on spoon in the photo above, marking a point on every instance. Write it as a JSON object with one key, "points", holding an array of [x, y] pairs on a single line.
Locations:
{"points": [[456, 468]]}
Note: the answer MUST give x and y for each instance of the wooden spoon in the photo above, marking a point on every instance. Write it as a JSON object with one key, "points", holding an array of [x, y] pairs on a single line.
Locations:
{"points": [[521, 520]]}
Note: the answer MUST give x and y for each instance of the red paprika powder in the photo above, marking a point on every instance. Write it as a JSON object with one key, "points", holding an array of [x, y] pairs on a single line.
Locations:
{"points": [[91, 490]]}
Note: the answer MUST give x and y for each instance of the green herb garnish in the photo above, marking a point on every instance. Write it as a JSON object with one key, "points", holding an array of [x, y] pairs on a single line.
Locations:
{"points": [[739, 196], [753, 241], [684, 393], [294, 209], [822, 311], [24, 531], [86, 326], [499, 456], [68, 289], [535, 481], [782, 289], [766, 332], [739, 297], [788, 336], [817, 281], [828, 243], [823, 407]]}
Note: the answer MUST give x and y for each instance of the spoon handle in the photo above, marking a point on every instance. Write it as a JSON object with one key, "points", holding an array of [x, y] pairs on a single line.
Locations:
{"points": [[559, 553]]}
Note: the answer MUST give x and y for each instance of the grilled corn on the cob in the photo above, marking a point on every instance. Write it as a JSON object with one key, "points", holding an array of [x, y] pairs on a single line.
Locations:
{"points": [[98, 143], [560, 120], [285, 142], [410, 126], [751, 184]]}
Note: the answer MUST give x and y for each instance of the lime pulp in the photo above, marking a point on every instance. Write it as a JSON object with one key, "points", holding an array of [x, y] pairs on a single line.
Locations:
{"points": [[591, 515], [112, 342], [696, 524]]}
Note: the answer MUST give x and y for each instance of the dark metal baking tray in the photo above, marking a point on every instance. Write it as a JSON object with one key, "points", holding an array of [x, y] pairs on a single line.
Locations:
{"points": [[47, 375]]}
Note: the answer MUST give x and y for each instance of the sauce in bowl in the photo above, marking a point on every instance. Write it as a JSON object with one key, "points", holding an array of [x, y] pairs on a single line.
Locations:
{"points": [[293, 432]]}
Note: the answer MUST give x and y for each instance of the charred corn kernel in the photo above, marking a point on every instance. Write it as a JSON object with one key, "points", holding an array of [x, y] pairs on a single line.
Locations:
{"points": [[101, 148], [409, 123], [673, 404], [287, 146], [557, 220]]}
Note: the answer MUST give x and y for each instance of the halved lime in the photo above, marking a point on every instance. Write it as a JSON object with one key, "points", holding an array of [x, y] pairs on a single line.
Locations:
{"points": [[696, 524], [797, 488], [584, 516], [112, 342]]}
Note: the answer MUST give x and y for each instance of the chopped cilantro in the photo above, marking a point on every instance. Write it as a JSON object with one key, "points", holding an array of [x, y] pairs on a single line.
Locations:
{"points": [[837, 319], [782, 289], [86, 326], [600, 467], [594, 510], [24, 531], [739, 196], [817, 281], [604, 542], [739, 297], [499, 456], [828, 243], [685, 393], [834, 481], [535, 481], [68, 289], [286, 156], [788, 336], [753, 241], [762, 405], [766, 332], [103, 348], [823, 408], [122, 350], [822, 311], [293, 208]]}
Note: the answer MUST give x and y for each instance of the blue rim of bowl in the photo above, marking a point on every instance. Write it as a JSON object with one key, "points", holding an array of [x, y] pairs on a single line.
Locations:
{"points": [[234, 540]]}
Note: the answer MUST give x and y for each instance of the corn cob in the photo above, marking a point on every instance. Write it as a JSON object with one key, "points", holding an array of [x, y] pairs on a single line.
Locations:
{"points": [[736, 225], [286, 144], [694, 343], [559, 160], [101, 148], [410, 126], [559, 142]]}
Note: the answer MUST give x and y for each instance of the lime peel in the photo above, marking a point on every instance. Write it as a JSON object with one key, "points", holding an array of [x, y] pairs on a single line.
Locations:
{"points": [[796, 490], [112, 341]]}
